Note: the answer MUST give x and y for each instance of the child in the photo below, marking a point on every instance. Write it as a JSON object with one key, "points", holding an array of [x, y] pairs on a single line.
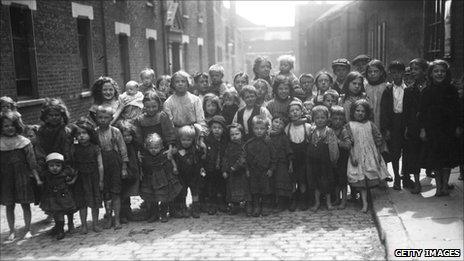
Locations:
{"points": [[308, 105], [114, 156], [376, 77], [283, 95], [105, 93], [147, 77], [260, 162], [154, 120], [86, 159], [185, 108], [340, 67], [330, 98], [211, 106], [216, 144], [130, 185], [245, 115], [298, 134], [284, 183], [366, 166], [322, 157], [306, 81], [216, 73], [241, 79], [324, 81], [188, 158], [159, 172], [57, 197], [263, 92], [414, 146], [55, 136], [163, 87], [234, 170], [7, 104], [353, 89], [392, 122], [262, 69], [130, 103], [338, 121], [18, 164], [30, 132], [231, 103], [286, 64], [408, 77], [201, 87]]}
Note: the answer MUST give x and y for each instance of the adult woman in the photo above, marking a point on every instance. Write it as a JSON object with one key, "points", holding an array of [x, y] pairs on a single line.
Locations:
{"points": [[262, 69]]}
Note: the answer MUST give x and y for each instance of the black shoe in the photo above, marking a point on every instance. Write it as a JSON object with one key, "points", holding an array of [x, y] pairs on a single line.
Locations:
{"points": [[60, 230], [408, 183], [388, 179], [195, 210], [417, 189], [397, 185], [53, 231]]}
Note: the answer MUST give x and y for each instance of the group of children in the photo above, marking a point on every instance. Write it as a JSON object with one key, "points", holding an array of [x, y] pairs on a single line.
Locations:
{"points": [[260, 146]]}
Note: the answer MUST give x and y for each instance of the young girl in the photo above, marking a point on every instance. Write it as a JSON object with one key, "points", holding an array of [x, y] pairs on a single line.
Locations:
{"points": [[234, 170], [322, 156], [164, 87], [211, 106], [231, 103], [147, 78], [86, 159], [130, 185], [245, 115], [158, 172], [284, 183], [57, 198], [283, 95], [188, 160], [241, 79], [353, 89], [330, 98], [324, 81], [260, 162], [262, 69], [366, 167], [263, 92], [105, 93], [7, 104], [337, 120], [18, 164], [306, 81], [55, 136], [114, 156], [298, 134], [201, 82], [130, 103], [216, 144], [376, 78], [217, 86]]}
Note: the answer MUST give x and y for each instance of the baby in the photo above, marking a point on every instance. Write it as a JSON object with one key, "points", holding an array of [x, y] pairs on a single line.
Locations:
{"points": [[130, 103]]}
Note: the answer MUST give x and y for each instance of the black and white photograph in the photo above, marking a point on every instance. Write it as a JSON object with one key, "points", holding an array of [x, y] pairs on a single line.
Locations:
{"points": [[231, 130]]}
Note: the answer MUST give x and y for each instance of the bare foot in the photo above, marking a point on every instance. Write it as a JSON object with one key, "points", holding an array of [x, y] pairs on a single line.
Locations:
{"points": [[84, 230], [364, 209], [117, 226], [97, 228], [11, 236], [28, 235], [315, 208]]}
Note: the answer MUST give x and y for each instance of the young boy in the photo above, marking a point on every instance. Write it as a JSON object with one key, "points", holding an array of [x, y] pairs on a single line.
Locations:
{"points": [[392, 118], [216, 73], [340, 67]]}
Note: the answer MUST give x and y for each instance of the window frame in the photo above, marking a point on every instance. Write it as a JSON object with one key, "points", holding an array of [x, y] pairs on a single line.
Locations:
{"points": [[89, 52]]}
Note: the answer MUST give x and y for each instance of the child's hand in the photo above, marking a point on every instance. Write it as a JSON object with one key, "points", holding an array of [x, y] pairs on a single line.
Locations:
{"points": [[354, 161], [39, 181], [175, 171], [269, 173], [225, 175], [202, 172], [423, 135]]}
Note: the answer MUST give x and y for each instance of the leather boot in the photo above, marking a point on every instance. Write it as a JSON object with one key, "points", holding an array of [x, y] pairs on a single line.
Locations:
{"points": [[164, 212], [195, 210], [60, 230]]}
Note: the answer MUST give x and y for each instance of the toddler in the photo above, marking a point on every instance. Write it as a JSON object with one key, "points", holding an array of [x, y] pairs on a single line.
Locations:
{"points": [[130, 103], [286, 64]]}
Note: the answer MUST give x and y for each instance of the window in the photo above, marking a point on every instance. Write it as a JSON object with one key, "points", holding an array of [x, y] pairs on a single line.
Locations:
{"points": [[438, 29], [200, 58], [85, 51], [381, 50], [376, 38], [124, 55], [185, 56], [152, 51], [23, 51]]}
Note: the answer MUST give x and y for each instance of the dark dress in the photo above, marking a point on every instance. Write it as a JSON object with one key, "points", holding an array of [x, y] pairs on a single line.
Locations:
{"points": [[228, 112], [86, 189], [283, 180], [159, 184], [414, 149], [17, 161], [300, 151], [321, 171], [392, 122], [215, 149], [440, 115], [160, 124], [53, 139], [237, 187], [130, 185], [259, 158], [57, 195], [189, 165], [344, 143]]}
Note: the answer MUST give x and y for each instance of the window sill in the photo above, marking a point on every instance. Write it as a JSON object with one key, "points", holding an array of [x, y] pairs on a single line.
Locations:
{"points": [[29, 103], [85, 94]]}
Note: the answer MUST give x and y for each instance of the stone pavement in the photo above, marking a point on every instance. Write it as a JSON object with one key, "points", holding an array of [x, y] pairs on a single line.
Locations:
{"points": [[335, 235], [420, 221]]}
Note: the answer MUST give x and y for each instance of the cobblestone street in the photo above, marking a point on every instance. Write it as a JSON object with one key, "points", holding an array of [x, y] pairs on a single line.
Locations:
{"points": [[342, 234]]}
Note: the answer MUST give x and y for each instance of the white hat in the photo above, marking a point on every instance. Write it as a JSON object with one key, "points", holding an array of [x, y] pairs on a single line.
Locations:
{"points": [[54, 156]]}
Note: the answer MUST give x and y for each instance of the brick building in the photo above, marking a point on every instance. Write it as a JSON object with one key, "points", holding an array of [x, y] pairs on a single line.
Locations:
{"points": [[387, 30], [58, 48]]}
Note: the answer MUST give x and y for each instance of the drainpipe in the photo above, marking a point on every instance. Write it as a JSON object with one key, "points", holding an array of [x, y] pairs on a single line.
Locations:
{"points": [[165, 40], [105, 51]]}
